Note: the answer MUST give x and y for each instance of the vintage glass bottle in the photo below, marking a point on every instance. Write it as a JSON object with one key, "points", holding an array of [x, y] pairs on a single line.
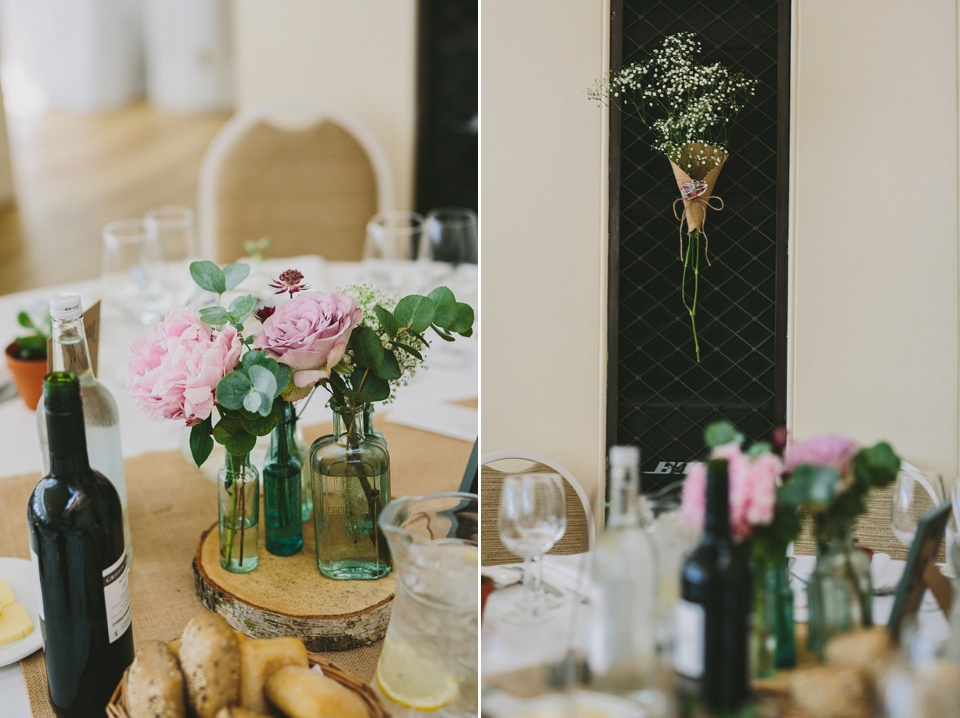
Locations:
{"points": [[100, 416], [238, 493], [350, 479], [77, 551], [281, 487]]}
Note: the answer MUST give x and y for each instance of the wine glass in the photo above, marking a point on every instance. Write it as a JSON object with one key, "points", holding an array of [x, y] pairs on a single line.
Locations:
{"points": [[131, 270], [392, 239], [176, 231], [449, 240], [532, 518], [915, 493], [540, 596]]}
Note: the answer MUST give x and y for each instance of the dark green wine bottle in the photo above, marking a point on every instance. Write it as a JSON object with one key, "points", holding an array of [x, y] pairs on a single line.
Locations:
{"points": [[711, 652], [77, 549]]}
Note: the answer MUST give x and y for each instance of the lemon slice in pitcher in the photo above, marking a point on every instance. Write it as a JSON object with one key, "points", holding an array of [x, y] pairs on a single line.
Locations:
{"points": [[413, 680]]}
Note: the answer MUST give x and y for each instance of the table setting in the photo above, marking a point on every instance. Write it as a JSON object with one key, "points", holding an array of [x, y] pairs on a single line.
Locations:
{"points": [[827, 624], [196, 419]]}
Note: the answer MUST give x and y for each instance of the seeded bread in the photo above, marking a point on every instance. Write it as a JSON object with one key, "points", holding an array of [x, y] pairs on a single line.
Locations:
{"points": [[155, 685], [210, 661], [259, 658]]}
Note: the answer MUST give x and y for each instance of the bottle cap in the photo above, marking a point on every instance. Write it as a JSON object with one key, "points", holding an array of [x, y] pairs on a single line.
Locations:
{"points": [[66, 306], [624, 455]]}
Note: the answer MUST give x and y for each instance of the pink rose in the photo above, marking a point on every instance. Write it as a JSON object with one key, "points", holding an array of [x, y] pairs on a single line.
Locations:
{"points": [[310, 334], [753, 490], [827, 450], [178, 365]]}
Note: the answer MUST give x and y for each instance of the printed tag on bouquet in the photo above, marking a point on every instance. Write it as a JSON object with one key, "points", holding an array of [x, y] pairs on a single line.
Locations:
{"points": [[693, 189]]}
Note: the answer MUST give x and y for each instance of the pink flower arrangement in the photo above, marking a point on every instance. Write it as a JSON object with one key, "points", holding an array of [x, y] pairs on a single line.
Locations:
{"points": [[310, 335], [828, 450], [753, 490], [177, 366]]}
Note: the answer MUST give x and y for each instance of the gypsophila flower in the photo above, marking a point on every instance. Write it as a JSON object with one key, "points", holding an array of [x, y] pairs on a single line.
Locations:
{"points": [[290, 281], [682, 102], [367, 297]]}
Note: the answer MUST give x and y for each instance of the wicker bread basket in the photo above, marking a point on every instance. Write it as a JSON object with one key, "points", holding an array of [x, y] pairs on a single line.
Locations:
{"points": [[117, 707]]}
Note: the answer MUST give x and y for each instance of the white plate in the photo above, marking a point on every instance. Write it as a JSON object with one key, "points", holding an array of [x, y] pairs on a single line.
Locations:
{"points": [[19, 574]]}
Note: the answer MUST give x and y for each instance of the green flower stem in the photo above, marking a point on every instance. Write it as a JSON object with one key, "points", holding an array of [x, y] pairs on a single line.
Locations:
{"points": [[693, 245]]}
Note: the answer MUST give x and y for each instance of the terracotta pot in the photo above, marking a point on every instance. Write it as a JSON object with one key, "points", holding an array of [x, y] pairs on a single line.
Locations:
{"points": [[28, 376]]}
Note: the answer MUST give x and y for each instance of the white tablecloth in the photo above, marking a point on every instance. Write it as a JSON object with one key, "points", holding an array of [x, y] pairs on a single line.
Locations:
{"points": [[423, 403]]}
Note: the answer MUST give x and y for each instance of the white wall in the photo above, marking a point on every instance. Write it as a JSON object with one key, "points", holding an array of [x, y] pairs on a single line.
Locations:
{"points": [[543, 246], [873, 341], [873, 336], [357, 55]]}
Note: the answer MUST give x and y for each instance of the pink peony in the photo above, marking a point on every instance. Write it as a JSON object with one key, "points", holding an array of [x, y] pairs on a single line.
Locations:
{"points": [[178, 365], [753, 490], [827, 450], [310, 334]]}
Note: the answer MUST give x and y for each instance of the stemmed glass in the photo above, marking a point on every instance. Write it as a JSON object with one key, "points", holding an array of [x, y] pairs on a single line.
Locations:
{"points": [[391, 239], [532, 519], [131, 270], [449, 238], [914, 494], [176, 232]]}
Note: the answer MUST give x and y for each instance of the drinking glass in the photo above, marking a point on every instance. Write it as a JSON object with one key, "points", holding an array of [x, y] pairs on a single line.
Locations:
{"points": [[177, 234], [391, 242], [541, 597], [131, 270], [449, 240], [532, 518], [914, 494]]}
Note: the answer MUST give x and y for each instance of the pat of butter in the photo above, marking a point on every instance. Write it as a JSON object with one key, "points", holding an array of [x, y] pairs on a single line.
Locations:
{"points": [[14, 623], [6, 594]]}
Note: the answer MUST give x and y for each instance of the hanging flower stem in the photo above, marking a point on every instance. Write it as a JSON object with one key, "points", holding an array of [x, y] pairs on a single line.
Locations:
{"points": [[693, 245]]}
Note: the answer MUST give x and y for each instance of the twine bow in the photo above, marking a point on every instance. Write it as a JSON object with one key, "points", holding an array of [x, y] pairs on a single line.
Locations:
{"points": [[702, 204]]}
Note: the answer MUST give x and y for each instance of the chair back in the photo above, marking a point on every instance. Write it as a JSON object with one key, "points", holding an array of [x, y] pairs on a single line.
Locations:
{"points": [[306, 175], [579, 535]]}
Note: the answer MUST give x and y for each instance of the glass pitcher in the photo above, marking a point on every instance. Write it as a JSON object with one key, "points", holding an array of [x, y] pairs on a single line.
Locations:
{"points": [[429, 659]]}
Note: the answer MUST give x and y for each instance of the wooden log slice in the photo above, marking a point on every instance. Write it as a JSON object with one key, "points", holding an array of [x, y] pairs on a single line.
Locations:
{"points": [[287, 596]]}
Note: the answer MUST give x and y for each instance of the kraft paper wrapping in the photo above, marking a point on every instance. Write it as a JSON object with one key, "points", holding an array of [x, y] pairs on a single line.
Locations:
{"points": [[171, 504], [695, 210]]}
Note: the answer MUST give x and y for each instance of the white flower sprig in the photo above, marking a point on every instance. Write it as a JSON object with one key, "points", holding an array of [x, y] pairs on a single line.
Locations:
{"points": [[681, 101]]}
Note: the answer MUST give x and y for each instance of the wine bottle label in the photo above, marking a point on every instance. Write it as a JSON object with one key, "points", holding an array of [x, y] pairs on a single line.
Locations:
{"points": [[116, 593], [35, 563], [688, 642]]}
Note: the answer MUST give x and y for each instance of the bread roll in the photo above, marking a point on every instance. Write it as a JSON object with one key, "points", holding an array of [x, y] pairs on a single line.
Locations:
{"points": [[155, 684], [261, 657], [303, 693], [210, 661], [237, 712]]}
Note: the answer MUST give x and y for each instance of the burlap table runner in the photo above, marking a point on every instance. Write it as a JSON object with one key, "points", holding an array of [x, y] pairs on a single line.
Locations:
{"points": [[171, 504]]}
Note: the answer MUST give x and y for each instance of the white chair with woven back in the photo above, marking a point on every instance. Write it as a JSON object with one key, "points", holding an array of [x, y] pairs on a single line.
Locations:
{"points": [[307, 175], [580, 532]]}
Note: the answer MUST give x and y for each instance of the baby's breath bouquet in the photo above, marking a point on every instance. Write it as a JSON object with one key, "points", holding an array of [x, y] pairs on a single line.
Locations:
{"points": [[689, 108]]}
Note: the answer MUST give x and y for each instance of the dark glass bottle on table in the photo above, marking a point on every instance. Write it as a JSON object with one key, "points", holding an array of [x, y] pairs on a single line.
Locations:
{"points": [[77, 550], [281, 487], [711, 650]]}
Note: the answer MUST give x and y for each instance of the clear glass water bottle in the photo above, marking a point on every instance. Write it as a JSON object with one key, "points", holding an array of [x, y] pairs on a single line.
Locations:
{"points": [[100, 417], [623, 658]]}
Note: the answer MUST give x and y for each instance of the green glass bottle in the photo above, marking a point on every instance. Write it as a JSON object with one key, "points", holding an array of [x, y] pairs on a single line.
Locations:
{"points": [[350, 479], [281, 487]]}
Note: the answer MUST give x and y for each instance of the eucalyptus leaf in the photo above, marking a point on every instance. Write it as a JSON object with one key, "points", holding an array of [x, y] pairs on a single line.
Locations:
{"points": [[263, 381], [407, 348], [876, 466], [214, 315], [721, 433], [208, 276], [253, 401], [233, 274], [232, 390], [242, 307], [758, 449], [368, 351], [240, 444], [414, 312], [254, 358], [444, 307], [388, 322], [443, 334], [390, 368], [810, 486], [228, 426], [262, 425], [464, 321]]}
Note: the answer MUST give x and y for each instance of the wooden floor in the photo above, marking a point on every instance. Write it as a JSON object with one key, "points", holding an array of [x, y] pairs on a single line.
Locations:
{"points": [[75, 173]]}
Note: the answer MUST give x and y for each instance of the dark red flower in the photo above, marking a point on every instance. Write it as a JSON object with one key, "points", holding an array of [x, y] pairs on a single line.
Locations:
{"points": [[290, 281], [264, 313]]}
